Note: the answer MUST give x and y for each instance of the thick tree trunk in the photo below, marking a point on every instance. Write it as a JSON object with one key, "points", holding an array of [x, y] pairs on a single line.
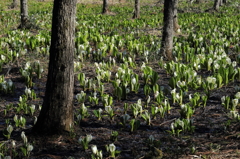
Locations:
{"points": [[105, 7], [136, 13], [216, 4], [56, 115], [24, 13], [167, 37], [176, 27]]}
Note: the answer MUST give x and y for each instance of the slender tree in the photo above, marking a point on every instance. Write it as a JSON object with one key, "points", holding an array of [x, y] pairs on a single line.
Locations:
{"points": [[168, 33], [105, 7], [14, 4], [176, 27], [216, 4], [24, 13], [220, 2], [136, 13], [56, 115]]}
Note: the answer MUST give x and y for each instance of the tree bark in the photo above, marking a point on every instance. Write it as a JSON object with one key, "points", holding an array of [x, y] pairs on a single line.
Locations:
{"points": [[105, 7], [216, 4], [56, 115], [136, 13], [167, 37], [220, 2], [176, 27], [24, 13], [14, 4]]}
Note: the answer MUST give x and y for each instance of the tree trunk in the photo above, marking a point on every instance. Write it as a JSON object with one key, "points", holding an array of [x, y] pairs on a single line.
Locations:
{"points": [[56, 115], [136, 13], [24, 13], [220, 2], [216, 4], [14, 4], [167, 37], [176, 27], [105, 7], [224, 1]]}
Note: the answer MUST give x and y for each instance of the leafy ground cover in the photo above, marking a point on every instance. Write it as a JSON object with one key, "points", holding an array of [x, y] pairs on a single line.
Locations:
{"points": [[126, 95]]}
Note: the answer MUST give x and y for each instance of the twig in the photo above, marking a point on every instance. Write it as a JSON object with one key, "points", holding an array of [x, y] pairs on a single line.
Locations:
{"points": [[167, 121]]}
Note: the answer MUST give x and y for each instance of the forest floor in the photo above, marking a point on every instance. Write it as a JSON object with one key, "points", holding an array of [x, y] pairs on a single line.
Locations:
{"points": [[216, 136]]}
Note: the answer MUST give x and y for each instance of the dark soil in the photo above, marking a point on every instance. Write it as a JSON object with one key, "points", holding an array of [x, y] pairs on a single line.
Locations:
{"points": [[212, 136]]}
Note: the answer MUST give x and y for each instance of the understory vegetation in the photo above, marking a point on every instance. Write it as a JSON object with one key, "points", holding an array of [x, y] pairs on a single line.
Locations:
{"points": [[129, 101]]}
